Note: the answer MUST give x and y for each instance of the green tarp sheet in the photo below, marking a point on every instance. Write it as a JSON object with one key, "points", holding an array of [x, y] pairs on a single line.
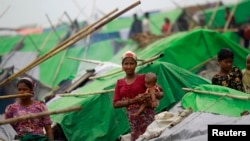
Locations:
{"points": [[156, 21], [217, 99], [190, 50], [98, 120], [241, 14]]}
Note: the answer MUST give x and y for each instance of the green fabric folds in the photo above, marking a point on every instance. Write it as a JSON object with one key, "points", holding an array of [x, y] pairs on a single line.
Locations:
{"points": [[99, 121], [223, 100]]}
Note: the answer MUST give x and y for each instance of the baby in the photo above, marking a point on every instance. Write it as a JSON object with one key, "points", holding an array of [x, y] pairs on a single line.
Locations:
{"points": [[152, 89]]}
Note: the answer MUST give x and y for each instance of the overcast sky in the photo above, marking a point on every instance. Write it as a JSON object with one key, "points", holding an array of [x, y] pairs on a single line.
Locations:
{"points": [[16, 13]]}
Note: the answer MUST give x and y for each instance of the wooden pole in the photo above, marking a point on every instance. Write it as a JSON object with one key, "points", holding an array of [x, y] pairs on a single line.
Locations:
{"points": [[5, 11], [41, 114], [87, 93], [213, 14], [217, 94], [59, 66], [32, 41], [41, 59], [140, 64], [71, 41], [86, 60], [15, 96], [54, 29], [50, 33], [186, 14], [230, 16]]}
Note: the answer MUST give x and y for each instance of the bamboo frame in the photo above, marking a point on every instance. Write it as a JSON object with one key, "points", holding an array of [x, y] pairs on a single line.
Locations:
{"points": [[218, 94], [140, 64], [73, 39], [87, 93], [15, 96], [41, 114]]}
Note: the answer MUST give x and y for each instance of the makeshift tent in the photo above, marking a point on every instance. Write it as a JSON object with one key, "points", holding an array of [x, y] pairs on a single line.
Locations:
{"points": [[190, 50], [98, 120], [241, 14], [217, 99], [156, 21], [210, 105]]}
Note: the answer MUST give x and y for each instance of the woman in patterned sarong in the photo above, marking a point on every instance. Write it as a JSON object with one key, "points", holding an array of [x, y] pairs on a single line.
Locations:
{"points": [[130, 93]]}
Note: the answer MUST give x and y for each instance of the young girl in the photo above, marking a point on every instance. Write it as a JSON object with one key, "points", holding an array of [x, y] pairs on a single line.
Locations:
{"points": [[229, 76], [27, 105]]}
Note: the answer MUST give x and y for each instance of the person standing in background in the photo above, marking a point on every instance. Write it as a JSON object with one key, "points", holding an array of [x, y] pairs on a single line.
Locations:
{"points": [[166, 27], [136, 27], [146, 24]]}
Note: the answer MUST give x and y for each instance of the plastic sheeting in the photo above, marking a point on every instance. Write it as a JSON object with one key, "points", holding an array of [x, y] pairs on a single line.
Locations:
{"points": [[7, 133], [222, 104], [98, 120], [195, 126]]}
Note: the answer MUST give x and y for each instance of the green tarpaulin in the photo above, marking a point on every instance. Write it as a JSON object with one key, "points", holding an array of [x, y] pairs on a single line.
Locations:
{"points": [[217, 99], [241, 14], [98, 120], [156, 21]]}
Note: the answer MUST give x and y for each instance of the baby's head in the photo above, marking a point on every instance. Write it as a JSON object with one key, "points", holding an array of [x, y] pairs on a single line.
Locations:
{"points": [[150, 79]]}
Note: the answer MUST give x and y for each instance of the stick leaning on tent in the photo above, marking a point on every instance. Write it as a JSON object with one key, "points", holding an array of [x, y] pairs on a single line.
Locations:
{"points": [[14, 96], [37, 115], [71, 40], [140, 64], [217, 94]]}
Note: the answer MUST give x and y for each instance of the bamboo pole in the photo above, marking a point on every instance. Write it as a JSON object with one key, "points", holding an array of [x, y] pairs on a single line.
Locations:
{"points": [[14, 96], [32, 41], [37, 115], [50, 33], [230, 16], [213, 14], [87, 93], [86, 60], [4, 12], [53, 27], [140, 64], [217, 94], [59, 66], [41, 59], [186, 14], [76, 37]]}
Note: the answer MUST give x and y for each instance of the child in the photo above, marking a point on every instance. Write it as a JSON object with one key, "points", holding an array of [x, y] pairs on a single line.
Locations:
{"points": [[246, 75], [229, 75], [152, 89]]}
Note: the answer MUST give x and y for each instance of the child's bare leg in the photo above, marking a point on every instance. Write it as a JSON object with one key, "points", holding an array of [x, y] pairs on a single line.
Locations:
{"points": [[142, 108]]}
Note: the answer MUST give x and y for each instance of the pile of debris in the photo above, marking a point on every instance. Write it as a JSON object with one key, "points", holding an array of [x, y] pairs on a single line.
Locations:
{"points": [[144, 39]]}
